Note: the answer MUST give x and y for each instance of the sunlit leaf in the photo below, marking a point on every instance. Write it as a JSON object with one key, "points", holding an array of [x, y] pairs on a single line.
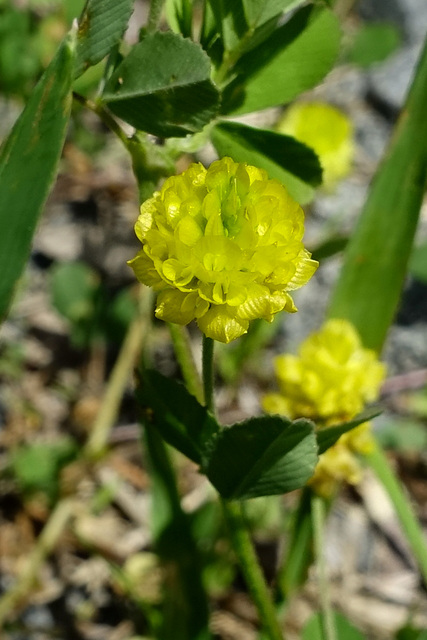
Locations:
{"points": [[163, 86], [293, 59], [376, 258], [101, 26], [313, 629], [373, 43], [28, 165], [328, 437], [284, 158], [262, 456]]}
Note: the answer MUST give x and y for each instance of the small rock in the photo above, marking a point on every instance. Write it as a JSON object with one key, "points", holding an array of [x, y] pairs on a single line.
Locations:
{"points": [[59, 238], [389, 82]]}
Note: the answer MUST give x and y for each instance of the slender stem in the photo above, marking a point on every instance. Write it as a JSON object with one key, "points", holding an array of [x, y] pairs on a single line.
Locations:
{"points": [[182, 347], [124, 364], [231, 57], [239, 534], [154, 15], [185, 597], [251, 569], [45, 544], [299, 555], [327, 614], [208, 372], [105, 116], [378, 462]]}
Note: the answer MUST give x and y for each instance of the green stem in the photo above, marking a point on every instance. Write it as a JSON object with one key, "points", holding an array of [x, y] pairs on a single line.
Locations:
{"points": [[45, 544], [378, 462], [185, 604], [113, 395], [208, 372], [154, 15], [251, 569], [299, 555], [231, 57], [105, 116], [240, 537], [182, 347], [327, 614]]}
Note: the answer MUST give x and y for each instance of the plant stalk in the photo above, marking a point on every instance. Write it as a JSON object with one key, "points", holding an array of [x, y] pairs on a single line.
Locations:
{"points": [[208, 373], [251, 569], [378, 462], [327, 614], [182, 348], [46, 542], [123, 366], [240, 538], [105, 116], [154, 16]]}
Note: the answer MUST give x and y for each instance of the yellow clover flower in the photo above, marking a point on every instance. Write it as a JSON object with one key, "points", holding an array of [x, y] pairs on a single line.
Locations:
{"points": [[328, 131], [223, 246], [330, 381]]}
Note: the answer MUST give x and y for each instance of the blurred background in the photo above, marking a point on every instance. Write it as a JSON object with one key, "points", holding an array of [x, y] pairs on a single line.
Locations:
{"points": [[73, 310]]}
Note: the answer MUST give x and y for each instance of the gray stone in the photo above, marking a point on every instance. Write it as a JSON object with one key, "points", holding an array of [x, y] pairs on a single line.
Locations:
{"points": [[372, 133], [339, 210], [406, 348], [415, 19], [344, 87], [389, 81], [410, 16], [38, 618], [383, 11]]}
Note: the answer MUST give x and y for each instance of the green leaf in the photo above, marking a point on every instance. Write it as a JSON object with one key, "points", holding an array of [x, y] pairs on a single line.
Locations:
{"points": [[101, 26], [293, 59], [73, 288], [411, 633], [179, 16], [262, 456], [373, 43], [418, 263], [37, 466], [284, 158], [376, 260], [403, 435], [230, 21], [122, 309], [257, 13], [78, 295], [210, 36], [328, 437], [313, 629], [164, 86], [176, 414], [28, 164], [329, 247]]}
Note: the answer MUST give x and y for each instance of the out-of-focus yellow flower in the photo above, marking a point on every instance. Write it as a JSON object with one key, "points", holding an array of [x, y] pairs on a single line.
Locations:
{"points": [[223, 246], [330, 381], [328, 131]]}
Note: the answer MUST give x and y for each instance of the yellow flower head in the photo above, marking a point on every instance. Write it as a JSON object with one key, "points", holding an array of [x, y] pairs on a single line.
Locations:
{"points": [[330, 381], [223, 246], [328, 131]]}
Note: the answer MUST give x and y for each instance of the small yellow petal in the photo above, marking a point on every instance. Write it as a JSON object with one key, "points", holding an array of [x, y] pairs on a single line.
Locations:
{"points": [[145, 270], [218, 323], [175, 306]]}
